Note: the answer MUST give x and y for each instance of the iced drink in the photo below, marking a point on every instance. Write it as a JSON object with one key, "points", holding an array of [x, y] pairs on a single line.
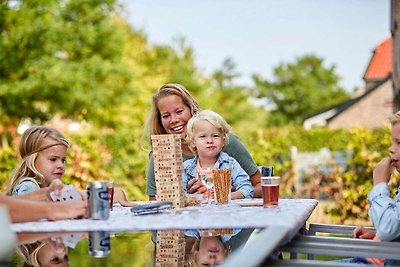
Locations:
{"points": [[270, 191]]}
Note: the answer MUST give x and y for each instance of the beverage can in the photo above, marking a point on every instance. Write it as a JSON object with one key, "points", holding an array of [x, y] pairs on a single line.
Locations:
{"points": [[99, 244], [267, 171], [99, 207]]}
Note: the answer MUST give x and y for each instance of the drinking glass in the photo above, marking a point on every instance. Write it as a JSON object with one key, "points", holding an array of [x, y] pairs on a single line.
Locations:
{"points": [[207, 179]]}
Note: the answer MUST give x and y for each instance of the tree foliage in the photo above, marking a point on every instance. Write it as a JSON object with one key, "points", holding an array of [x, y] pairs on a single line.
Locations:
{"points": [[60, 57], [300, 89]]}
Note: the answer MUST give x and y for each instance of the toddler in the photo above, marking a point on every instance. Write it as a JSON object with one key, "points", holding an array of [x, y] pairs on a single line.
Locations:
{"points": [[207, 134]]}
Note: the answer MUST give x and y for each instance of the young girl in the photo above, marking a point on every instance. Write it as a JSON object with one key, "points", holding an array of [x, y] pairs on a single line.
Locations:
{"points": [[207, 134], [44, 253], [43, 151]]}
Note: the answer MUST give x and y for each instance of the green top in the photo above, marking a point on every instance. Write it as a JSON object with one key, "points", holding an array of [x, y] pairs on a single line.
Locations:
{"points": [[234, 149]]}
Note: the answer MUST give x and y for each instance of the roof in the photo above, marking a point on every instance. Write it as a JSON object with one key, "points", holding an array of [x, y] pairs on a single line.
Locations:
{"points": [[330, 113], [380, 65]]}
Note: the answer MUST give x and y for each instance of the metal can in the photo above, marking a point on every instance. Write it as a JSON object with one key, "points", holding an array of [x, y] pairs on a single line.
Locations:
{"points": [[267, 171], [98, 200], [99, 244]]}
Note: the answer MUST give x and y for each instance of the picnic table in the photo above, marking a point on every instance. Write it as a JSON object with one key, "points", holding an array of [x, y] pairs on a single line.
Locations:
{"points": [[276, 226]]}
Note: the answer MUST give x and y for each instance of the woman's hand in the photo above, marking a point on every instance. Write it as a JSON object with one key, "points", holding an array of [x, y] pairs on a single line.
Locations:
{"points": [[381, 172], [363, 233], [195, 186]]}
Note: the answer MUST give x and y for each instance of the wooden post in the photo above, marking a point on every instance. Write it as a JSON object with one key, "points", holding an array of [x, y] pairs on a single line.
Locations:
{"points": [[296, 182]]}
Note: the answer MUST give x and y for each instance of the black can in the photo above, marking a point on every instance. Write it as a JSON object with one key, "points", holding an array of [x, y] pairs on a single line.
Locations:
{"points": [[98, 200], [267, 171], [99, 244]]}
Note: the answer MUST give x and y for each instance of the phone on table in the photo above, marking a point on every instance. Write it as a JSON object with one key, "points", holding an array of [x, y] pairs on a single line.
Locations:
{"points": [[151, 207]]}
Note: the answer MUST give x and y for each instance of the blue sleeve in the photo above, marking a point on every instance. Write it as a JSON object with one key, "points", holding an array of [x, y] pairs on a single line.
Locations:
{"points": [[192, 233], [241, 180], [238, 151], [185, 180], [25, 187], [384, 212]]}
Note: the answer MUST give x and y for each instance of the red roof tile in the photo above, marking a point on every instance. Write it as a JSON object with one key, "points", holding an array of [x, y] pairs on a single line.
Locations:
{"points": [[380, 65]]}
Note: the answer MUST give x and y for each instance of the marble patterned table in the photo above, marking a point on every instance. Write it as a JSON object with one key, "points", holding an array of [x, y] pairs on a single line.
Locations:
{"points": [[291, 214]]}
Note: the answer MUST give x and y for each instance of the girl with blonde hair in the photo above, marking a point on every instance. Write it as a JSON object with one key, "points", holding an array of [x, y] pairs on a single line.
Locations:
{"points": [[43, 151]]}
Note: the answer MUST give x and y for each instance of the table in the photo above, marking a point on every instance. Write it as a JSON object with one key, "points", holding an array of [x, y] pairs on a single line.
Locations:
{"points": [[281, 223]]}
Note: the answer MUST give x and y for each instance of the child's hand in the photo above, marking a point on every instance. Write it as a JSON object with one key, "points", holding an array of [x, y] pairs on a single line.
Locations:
{"points": [[382, 172], [205, 195], [56, 185], [195, 186], [363, 233]]}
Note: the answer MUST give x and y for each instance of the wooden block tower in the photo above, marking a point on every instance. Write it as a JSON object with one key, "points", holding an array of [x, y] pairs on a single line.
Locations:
{"points": [[170, 249], [168, 166]]}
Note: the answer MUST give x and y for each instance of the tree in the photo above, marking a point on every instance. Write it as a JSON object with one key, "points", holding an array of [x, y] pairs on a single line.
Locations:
{"points": [[61, 57], [232, 100], [300, 89]]}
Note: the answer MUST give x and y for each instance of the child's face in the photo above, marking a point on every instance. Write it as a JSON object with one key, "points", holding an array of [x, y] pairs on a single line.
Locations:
{"points": [[51, 161], [53, 254], [395, 147], [211, 252], [207, 139]]}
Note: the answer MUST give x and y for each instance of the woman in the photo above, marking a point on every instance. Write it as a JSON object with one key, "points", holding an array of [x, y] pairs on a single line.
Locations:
{"points": [[172, 107]]}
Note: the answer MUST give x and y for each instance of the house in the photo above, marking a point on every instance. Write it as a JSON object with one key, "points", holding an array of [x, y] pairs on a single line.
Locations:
{"points": [[372, 108], [381, 96]]}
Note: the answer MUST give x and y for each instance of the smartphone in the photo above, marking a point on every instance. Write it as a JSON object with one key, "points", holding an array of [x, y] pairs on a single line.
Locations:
{"points": [[151, 207]]}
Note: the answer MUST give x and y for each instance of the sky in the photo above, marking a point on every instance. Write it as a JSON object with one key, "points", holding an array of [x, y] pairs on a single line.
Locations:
{"points": [[260, 34]]}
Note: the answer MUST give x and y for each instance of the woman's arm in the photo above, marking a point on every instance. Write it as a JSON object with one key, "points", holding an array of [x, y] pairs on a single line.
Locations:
{"points": [[22, 210], [255, 180], [241, 181], [151, 180]]}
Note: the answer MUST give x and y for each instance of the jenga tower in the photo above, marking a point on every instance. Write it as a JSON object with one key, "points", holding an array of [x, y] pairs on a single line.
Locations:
{"points": [[170, 249], [168, 166]]}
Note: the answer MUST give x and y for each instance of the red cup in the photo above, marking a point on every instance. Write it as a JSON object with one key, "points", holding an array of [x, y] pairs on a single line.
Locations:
{"points": [[270, 191]]}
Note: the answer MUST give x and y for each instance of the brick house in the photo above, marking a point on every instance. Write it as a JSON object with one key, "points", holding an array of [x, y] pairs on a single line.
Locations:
{"points": [[370, 109], [381, 96]]}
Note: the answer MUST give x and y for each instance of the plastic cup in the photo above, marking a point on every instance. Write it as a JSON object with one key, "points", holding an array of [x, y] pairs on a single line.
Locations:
{"points": [[270, 191]]}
